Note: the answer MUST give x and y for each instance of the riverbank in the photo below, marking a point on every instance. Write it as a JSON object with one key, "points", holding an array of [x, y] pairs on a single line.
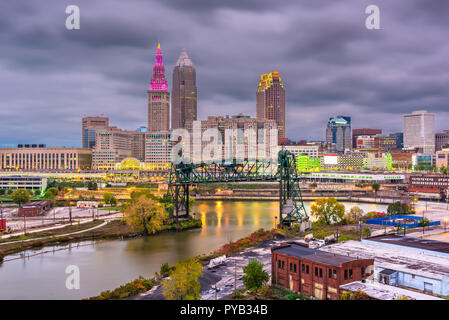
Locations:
{"points": [[258, 245], [116, 229]]}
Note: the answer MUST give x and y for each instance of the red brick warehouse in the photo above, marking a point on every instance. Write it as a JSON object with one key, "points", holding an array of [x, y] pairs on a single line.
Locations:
{"points": [[316, 273]]}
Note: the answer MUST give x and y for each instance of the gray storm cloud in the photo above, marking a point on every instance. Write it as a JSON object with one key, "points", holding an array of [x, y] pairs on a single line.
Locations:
{"points": [[329, 62]]}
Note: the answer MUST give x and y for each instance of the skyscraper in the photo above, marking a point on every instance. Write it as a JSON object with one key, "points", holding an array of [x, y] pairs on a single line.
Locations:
{"points": [[270, 100], [184, 93], [158, 97], [419, 131], [89, 126], [338, 132]]}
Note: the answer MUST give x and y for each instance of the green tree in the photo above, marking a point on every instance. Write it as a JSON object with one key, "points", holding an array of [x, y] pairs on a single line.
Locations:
{"points": [[395, 208], [51, 193], [183, 283], [20, 196], [255, 276], [92, 186], [375, 187], [366, 232], [424, 222], [109, 198], [165, 270], [145, 214], [327, 210]]}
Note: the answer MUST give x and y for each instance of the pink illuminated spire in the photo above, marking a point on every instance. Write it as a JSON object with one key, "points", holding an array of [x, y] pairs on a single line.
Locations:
{"points": [[158, 81]]}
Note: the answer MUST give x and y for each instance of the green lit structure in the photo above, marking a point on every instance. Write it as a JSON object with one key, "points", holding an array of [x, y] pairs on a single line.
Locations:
{"points": [[291, 206]]}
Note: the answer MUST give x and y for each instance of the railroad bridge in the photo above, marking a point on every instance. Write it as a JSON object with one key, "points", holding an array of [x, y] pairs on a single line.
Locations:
{"points": [[291, 207]]}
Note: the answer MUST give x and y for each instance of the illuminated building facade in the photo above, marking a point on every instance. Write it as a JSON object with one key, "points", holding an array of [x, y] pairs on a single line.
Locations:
{"points": [[233, 134], [305, 163], [158, 150], [114, 145], [338, 133], [90, 125], [158, 97], [270, 100], [42, 159], [419, 131], [184, 93]]}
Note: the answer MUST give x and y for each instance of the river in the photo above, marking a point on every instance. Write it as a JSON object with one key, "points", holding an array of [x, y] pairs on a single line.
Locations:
{"points": [[106, 265]]}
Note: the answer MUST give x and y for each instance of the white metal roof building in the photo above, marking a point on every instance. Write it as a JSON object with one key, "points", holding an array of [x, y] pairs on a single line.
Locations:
{"points": [[400, 266]]}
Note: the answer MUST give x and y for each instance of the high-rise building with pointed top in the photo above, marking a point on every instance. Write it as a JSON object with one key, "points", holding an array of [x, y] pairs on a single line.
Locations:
{"points": [[270, 100], [158, 97], [184, 93]]}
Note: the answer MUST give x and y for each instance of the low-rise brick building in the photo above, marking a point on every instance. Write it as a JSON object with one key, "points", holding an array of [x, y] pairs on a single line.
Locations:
{"points": [[35, 208], [314, 272]]}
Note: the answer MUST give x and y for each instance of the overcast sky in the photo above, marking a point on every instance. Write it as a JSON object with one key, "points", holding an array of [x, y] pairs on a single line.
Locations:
{"points": [[329, 62]]}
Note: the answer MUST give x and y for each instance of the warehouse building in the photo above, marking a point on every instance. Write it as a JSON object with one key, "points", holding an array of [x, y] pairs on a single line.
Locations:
{"points": [[314, 272]]}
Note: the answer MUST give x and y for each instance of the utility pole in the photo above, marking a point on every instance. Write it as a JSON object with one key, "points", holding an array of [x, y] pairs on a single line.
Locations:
{"points": [[70, 215], [24, 223], [235, 277], [360, 229]]}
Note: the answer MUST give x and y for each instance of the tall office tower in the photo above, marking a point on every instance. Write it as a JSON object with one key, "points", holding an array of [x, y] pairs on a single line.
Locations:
{"points": [[419, 131], [90, 125], [158, 97], [270, 100], [338, 132], [184, 93]]}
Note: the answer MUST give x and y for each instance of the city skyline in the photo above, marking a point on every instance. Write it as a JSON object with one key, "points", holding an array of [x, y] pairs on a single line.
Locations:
{"points": [[330, 66]]}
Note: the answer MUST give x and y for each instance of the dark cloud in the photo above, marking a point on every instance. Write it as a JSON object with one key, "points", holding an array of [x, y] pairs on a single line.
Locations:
{"points": [[330, 63]]}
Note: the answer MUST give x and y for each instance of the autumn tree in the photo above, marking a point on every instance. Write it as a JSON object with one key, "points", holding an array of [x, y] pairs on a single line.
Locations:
{"points": [[328, 210], [356, 295], [183, 283], [145, 214], [356, 213], [255, 276]]}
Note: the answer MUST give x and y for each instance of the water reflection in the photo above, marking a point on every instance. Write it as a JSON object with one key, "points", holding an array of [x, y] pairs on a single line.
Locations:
{"points": [[109, 264]]}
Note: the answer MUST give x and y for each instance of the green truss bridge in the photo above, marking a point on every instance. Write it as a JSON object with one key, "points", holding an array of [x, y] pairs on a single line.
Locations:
{"points": [[291, 206]]}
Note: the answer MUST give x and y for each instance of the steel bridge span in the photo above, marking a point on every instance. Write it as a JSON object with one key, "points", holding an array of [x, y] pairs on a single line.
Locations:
{"points": [[291, 207]]}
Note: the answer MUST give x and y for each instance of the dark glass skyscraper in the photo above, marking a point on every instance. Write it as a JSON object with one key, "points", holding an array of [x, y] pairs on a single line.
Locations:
{"points": [[184, 93], [338, 132]]}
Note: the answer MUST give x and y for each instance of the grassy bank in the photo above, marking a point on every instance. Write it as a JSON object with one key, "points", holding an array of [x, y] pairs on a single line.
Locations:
{"points": [[113, 230], [54, 232]]}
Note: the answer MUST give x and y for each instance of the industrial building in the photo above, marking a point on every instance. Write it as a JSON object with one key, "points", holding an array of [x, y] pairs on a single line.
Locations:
{"points": [[405, 262], [314, 272], [35, 208]]}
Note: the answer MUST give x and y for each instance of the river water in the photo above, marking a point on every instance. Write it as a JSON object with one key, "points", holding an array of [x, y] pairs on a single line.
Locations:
{"points": [[108, 264]]}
